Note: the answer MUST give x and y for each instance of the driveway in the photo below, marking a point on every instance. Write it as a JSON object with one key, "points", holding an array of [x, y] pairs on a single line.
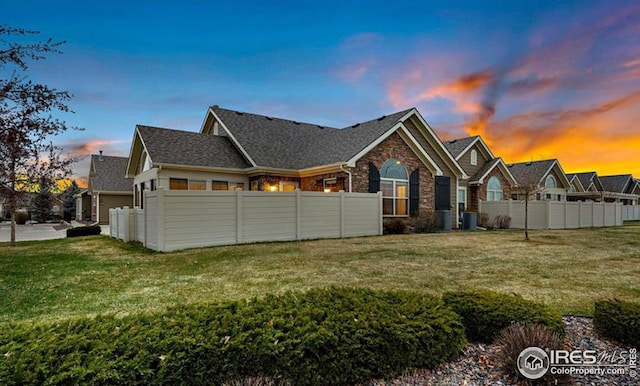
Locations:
{"points": [[32, 232]]}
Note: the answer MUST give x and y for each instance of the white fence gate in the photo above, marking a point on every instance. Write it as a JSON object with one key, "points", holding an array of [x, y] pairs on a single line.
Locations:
{"points": [[177, 219], [557, 214]]}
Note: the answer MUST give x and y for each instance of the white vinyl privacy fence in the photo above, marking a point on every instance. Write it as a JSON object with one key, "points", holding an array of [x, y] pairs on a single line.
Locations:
{"points": [[176, 219], [631, 212], [557, 214]]}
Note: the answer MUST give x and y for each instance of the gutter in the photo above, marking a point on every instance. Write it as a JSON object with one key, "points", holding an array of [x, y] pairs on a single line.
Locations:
{"points": [[350, 176]]}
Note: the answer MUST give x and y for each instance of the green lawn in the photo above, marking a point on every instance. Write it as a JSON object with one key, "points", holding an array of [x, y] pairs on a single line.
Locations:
{"points": [[568, 269]]}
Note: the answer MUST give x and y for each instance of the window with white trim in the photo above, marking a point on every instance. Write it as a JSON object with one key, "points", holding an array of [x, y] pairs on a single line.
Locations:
{"points": [[494, 189], [394, 184], [474, 157], [550, 182]]}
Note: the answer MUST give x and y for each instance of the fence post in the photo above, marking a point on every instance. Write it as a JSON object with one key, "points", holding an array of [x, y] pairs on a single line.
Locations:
{"points": [[145, 221], [125, 224], [298, 214], [380, 214], [342, 209], [111, 222], [160, 224], [239, 211], [548, 215]]}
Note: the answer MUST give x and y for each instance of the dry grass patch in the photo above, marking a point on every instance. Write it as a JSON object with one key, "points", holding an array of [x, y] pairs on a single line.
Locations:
{"points": [[566, 269]]}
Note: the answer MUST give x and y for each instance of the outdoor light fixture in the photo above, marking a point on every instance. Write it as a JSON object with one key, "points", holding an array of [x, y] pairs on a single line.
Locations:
{"points": [[273, 188], [327, 190]]}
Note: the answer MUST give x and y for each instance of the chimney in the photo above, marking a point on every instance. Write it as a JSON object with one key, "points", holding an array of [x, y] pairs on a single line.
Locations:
{"points": [[100, 157]]}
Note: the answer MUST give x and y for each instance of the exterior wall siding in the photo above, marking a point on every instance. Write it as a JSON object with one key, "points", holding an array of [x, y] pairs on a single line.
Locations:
{"points": [[465, 160], [109, 201], [446, 170]]}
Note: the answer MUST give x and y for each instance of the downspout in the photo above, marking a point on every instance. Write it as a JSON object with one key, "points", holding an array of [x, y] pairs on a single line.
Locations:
{"points": [[98, 208], [350, 176]]}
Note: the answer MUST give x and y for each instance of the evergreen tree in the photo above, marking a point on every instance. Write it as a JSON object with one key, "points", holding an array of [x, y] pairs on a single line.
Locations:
{"points": [[42, 203], [69, 202]]}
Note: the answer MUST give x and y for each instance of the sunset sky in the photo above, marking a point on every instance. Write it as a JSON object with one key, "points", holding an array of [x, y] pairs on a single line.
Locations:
{"points": [[537, 79]]}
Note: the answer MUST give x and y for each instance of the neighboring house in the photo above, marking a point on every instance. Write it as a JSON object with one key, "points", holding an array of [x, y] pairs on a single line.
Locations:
{"points": [[545, 180], [398, 154], [489, 177], [584, 187], [620, 188], [108, 187]]}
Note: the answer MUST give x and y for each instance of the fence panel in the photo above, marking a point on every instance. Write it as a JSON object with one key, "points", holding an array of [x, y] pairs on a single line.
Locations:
{"points": [[174, 220], [557, 215]]}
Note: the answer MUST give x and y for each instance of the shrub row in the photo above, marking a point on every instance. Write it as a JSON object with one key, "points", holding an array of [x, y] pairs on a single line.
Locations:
{"points": [[485, 314], [325, 336], [619, 320], [84, 231]]}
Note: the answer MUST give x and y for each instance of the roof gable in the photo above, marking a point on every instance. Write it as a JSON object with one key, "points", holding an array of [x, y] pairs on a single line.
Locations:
{"points": [[460, 146], [176, 147], [108, 174], [616, 184], [535, 172], [479, 177]]}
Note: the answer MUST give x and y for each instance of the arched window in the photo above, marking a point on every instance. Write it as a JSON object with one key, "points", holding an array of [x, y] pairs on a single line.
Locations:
{"points": [[494, 189], [394, 184], [474, 157], [550, 182]]}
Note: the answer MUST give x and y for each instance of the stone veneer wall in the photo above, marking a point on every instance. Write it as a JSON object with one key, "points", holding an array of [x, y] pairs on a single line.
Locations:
{"points": [[395, 147], [480, 192], [315, 183]]}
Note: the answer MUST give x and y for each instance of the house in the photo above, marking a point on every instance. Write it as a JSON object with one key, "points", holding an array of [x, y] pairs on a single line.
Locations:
{"points": [[398, 154], [545, 179], [108, 187], [585, 186], [620, 188], [489, 177]]}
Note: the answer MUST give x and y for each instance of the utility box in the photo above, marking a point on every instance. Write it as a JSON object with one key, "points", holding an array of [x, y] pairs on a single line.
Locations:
{"points": [[444, 219], [469, 221]]}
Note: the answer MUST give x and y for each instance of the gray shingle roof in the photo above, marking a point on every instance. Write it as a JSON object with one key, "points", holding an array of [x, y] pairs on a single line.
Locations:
{"points": [[585, 178], [286, 144], [484, 169], [188, 148], [530, 173], [107, 174], [616, 184], [456, 146]]}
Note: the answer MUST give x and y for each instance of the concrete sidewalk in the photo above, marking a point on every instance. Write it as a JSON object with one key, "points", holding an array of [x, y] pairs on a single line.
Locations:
{"points": [[31, 232]]}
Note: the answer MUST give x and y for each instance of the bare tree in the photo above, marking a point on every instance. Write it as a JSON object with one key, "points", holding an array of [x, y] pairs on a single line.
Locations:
{"points": [[27, 157]]}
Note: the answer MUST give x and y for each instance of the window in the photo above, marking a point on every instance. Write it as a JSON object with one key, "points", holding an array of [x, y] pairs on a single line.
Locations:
{"points": [[394, 184], [236, 186], [197, 185], [474, 157], [153, 184], [178, 184], [330, 185], [550, 182], [288, 186], [494, 189], [219, 185]]}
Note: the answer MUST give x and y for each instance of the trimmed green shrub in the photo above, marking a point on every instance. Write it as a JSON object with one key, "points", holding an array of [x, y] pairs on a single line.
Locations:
{"points": [[334, 336], [84, 231], [619, 320], [485, 313]]}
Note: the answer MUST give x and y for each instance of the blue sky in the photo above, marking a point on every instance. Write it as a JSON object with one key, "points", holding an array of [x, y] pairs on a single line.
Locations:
{"points": [[537, 79]]}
